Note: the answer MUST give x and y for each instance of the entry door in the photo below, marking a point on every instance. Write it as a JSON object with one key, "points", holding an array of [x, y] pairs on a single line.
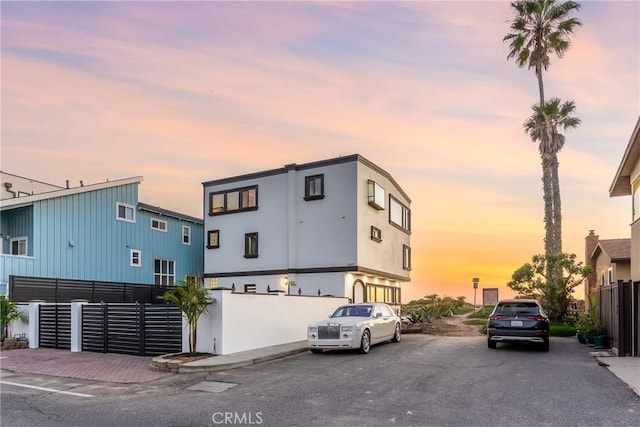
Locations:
{"points": [[358, 291]]}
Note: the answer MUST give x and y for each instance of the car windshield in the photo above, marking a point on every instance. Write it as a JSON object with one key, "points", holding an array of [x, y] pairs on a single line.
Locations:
{"points": [[517, 308], [353, 311]]}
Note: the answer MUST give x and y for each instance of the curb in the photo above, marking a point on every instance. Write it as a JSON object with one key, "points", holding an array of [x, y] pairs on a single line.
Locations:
{"points": [[185, 368], [162, 364]]}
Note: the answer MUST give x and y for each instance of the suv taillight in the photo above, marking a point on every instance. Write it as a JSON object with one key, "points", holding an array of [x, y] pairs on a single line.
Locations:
{"points": [[496, 317], [537, 317]]}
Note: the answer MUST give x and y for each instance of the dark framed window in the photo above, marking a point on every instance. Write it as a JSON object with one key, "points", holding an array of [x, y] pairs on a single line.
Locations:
{"points": [[376, 234], [251, 245], [375, 195], [399, 214], [236, 200], [250, 288], [213, 239], [406, 257], [314, 187]]}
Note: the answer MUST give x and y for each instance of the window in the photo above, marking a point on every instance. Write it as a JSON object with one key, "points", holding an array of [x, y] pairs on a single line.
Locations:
{"points": [[18, 246], [213, 282], [381, 293], [375, 195], [213, 239], [125, 212], [135, 258], [610, 274], [195, 279], [237, 200], [406, 257], [164, 273], [186, 235], [635, 200], [314, 187], [399, 214], [376, 234], [251, 245], [158, 224], [602, 279], [250, 288]]}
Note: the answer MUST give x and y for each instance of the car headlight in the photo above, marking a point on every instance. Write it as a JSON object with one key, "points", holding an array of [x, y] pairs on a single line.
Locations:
{"points": [[346, 328], [313, 329]]}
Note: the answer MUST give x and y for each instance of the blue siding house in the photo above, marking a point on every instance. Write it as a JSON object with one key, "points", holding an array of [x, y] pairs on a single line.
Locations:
{"points": [[94, 232]]}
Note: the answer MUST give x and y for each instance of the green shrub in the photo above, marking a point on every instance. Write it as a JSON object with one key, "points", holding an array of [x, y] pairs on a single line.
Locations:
{"points": [[589, 324], [562, 330]]}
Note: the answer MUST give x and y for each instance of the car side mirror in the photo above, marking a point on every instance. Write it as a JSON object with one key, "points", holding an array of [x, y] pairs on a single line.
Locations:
{"points": [[378, 314]]}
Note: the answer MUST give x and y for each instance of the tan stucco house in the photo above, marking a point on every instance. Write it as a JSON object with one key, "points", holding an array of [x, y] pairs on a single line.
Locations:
{"points": [[627, 183]]}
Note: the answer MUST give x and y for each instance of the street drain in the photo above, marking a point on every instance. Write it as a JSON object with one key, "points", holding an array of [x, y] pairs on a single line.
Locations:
{"points": [[211, 386]]}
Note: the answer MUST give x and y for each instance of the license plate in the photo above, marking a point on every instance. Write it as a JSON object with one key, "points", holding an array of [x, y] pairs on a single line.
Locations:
{"points": [[516, 323]]}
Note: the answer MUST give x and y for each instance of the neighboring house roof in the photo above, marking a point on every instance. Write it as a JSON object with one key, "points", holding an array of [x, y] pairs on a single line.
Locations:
{"points": [[616, 249], [165, 212], [320, 163], [28, 200], [621, 185]]}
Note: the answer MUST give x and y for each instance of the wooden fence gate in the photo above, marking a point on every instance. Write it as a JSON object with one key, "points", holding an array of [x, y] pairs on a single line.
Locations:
{"points": [[135, 329], [54, 322]]}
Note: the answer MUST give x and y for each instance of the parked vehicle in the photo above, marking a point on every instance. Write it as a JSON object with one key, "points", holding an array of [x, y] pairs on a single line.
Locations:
{"points": [[518, 320], [355, 326]]}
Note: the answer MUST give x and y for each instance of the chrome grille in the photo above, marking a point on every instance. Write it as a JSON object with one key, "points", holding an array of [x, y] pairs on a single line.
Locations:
{"points": [[328, 332]]}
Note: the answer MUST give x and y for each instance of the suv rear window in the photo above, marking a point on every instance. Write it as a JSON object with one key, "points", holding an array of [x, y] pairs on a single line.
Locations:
{"points": [[518, 308]]}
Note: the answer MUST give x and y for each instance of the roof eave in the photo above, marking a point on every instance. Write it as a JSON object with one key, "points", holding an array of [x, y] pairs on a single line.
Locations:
{"points": [[621, 185]]}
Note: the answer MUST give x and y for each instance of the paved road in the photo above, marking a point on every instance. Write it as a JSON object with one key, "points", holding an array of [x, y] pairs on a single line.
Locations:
{"points": [[422, 381]]}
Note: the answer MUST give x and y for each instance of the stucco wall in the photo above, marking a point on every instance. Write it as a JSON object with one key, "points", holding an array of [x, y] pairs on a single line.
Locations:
{"points": [[254, 321], [635, 251]]}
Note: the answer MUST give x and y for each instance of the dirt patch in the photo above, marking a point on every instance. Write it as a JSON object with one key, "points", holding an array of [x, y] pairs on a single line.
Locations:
{"points": [[187, 357], [453, 326]]}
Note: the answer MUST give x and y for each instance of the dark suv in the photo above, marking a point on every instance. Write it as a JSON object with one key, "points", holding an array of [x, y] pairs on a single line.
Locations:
{"points": [[518, 320]]}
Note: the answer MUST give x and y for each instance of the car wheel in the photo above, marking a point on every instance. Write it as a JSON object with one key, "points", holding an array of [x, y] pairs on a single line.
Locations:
{"points": [[491, 344], [545, 345], [315, 350], [397, 334], [365, 342]]}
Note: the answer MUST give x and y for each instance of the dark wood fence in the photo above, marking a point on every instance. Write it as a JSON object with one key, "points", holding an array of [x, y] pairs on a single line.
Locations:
{"points": [[135, 329], [24, 289], [615, 312], [55, 326]]}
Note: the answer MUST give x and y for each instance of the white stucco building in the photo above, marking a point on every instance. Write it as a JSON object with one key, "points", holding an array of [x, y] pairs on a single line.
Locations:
{"points": [[338, 227]]}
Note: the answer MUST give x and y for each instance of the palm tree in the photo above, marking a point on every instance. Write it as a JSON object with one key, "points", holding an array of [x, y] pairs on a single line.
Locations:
{"points": [[9, 313], [191, 298], [544, 127], [541, 28]]}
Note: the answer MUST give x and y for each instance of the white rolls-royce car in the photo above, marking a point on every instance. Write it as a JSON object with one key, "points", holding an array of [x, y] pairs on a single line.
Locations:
{"points": [[355, 326]]}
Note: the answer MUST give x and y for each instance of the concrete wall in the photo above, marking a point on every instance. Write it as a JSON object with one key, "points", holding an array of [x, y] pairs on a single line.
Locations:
{"points": [[254, 321]]}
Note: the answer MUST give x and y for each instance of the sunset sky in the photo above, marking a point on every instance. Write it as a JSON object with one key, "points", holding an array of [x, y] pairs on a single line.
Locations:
{"points": [[186, 92]]}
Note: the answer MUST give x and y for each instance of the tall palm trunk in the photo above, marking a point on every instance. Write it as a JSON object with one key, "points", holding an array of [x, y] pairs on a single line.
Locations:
{"points": [[548, 187], [557, 207], [547, 196]]}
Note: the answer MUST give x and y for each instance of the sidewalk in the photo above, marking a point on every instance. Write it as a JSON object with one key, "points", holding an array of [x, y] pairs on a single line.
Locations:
{"points": [[627, 369], [237, 360]]}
